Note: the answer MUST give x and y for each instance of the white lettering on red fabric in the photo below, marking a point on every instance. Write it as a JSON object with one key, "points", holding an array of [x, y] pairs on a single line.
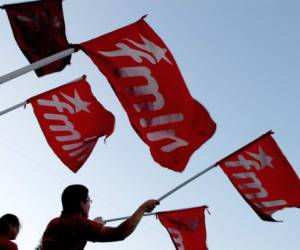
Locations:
{"points": [[150, 89], [154, 55], [167, 134], [68, 127], [256, 184], [249, 183], [72, 142]]}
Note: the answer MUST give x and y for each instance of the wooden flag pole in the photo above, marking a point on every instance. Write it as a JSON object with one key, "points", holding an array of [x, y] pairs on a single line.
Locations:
{"points": [[171, 191], [36, 65]]}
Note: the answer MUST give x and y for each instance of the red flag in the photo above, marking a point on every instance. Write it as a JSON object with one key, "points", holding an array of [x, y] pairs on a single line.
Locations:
{"points": [[148, 83], [39, 30], [72, 120], [263, 176], [186, 228]]}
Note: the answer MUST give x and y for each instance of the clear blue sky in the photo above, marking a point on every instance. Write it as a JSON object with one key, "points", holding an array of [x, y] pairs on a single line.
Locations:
{"points": [[240, 59]]}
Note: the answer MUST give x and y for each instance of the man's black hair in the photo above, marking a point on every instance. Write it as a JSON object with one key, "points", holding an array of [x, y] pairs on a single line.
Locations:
{"points": [[72, 196], [7, 220]]}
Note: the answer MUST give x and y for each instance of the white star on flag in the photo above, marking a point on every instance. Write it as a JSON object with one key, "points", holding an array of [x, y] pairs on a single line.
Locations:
{"points": [[158, 52], [262, 157], [77, 102]]}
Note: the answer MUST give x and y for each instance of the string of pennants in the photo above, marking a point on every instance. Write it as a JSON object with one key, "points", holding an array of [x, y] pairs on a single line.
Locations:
{"points": [[140, 68]]}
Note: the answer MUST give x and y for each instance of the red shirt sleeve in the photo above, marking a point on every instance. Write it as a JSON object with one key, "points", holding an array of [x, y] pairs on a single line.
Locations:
{"points": [[89, 230]]}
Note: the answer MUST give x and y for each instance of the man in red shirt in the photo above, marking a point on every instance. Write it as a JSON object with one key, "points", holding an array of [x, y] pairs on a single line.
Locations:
{"points": [[73, 229], [9, 229]]}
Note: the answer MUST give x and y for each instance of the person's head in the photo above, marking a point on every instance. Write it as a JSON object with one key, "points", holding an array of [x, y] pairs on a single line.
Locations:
{"points": [[9, 226], [75, 198]]}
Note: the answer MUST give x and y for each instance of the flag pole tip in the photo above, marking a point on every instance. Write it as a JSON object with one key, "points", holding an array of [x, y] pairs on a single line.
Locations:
{"points": [[206, 208], [144, 16], [76, 47]]}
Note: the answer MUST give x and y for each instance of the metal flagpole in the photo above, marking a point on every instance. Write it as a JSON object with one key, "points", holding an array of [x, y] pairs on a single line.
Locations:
{"points": [[171, 191], [23, 103], [36, 65], [12, 108], [123, 218], [186, 182], [126, 217]]}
